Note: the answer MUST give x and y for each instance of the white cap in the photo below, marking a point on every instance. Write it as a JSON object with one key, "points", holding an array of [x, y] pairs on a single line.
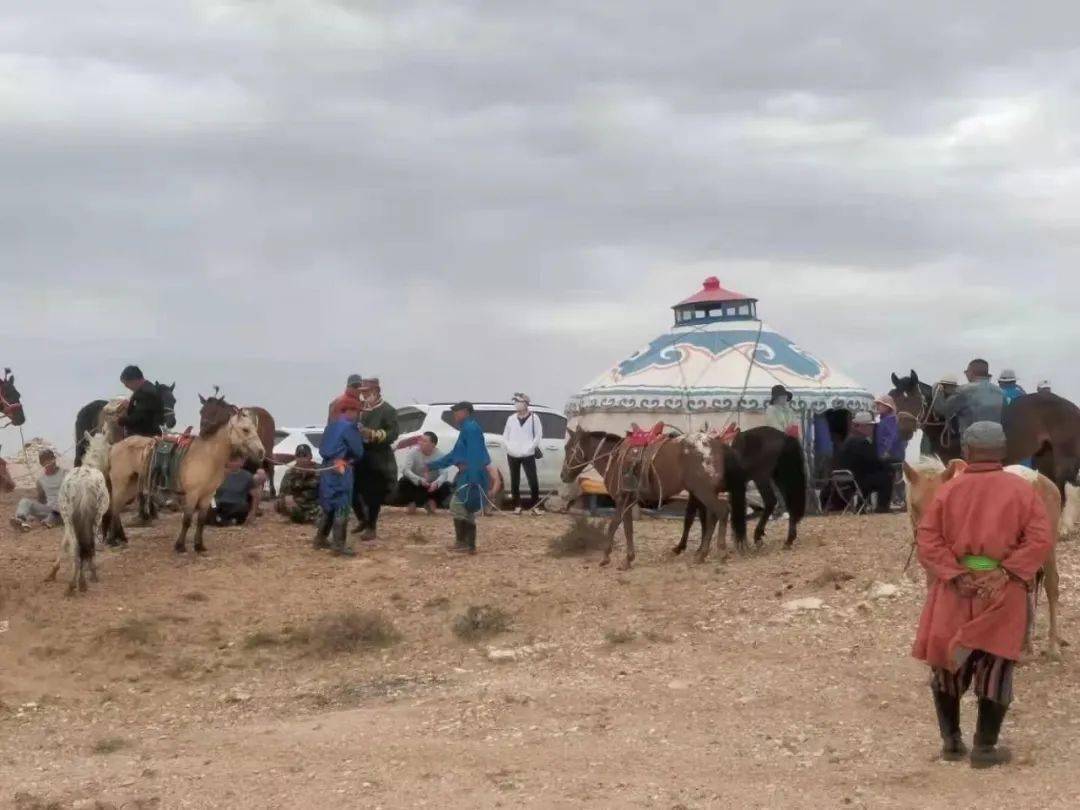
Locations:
{"points": [[949, 379], [1044, 385]]}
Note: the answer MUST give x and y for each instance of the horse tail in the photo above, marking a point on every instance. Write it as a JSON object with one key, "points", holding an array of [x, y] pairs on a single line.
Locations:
{"points": [[790, 475], [84, 521]]}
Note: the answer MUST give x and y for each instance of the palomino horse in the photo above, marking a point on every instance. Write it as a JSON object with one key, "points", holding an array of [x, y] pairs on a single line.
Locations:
{"points": [[11, 407], [83, 502], [650, 475], [215, 409], [763, 455], [923, 483], [94, 416], [201, 471]]}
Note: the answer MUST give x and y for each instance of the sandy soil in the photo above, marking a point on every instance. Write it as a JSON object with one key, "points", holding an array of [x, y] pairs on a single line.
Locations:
{"points": [[187, 682]]}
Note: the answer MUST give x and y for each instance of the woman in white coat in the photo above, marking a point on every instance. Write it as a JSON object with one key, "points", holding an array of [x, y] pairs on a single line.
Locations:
{"points": [[522, 434]]}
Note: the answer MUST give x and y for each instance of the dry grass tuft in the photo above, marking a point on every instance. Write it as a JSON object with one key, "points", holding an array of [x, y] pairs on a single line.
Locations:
{"points": [[831, 576], [614, 637], [135, 631], [196, 596], [109, 745], [481, 621], [581, 537], [347, 631], [259, 639]]}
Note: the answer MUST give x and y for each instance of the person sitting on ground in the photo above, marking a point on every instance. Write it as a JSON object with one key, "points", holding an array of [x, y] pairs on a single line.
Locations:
{"points": [[982, 542], [1009, 387], [859, 457], [890, 445], [238, 497], [780, 414], [978, 401], [145, 411], [298, 495], [418, 486], [44, 506]]}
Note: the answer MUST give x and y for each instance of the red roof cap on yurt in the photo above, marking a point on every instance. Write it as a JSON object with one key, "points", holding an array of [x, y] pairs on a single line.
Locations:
{"points": [[712, 292]]}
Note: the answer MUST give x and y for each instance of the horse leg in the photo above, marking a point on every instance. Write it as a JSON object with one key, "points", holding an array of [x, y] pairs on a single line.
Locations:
{"points": [[628, 529], [687, 524], [1051, 583], [613, 526], [737, 493], [200, 522], [65, 543], [181, 541], [769, 501], [706, 536]]}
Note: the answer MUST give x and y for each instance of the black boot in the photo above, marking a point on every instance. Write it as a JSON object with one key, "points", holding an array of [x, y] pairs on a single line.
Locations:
{"points": [[321, 540], [461, 544], [338, 545], [948, 717], [986, 753]]}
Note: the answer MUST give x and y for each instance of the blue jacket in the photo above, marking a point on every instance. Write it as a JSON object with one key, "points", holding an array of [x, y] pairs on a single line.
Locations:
{"points": [[341, 440], [890, 446], [1012, 391], [471, 456]]}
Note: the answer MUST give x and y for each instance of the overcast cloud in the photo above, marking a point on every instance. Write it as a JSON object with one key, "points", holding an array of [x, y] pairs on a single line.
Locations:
{"points": [[474, 198]]}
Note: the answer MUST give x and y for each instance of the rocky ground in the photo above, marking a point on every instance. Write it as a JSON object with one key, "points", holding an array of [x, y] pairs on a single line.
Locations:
{"points": [[266, 674]]}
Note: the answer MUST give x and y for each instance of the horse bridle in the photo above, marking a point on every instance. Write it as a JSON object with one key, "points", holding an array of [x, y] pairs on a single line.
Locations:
{"points": [[924, 419], [578, 454], [8, 409]]}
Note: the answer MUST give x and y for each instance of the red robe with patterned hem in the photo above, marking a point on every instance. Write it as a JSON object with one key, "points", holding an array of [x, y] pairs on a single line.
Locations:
{"points": [[985, 512]]}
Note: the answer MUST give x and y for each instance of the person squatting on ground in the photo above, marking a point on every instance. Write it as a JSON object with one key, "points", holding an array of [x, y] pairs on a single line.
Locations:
{"points": [[377, 470], [982, 541], [44, 505], [473, 481], [858, 456], [239, 495], [418, 486], [298, 495], [522, 435], [341, 448], [146, 410]]}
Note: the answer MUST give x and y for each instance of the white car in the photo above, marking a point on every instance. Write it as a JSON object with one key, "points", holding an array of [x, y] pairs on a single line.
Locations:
{"points": [[436, 418]]}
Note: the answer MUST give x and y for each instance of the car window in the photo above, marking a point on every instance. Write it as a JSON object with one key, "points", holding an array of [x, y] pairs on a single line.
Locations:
{"points": [[410, 420], [449, 419], [554, 425], [314, 439], [493, 421]]}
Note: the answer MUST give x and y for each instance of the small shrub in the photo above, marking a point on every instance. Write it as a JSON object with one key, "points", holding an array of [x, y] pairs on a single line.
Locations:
{"points": [[481, 621], [348, 631], [109, 745], [619, 636], [437, 603], [655, 636], [580, 538], [135, 631], [260, 638], [196, 596]]}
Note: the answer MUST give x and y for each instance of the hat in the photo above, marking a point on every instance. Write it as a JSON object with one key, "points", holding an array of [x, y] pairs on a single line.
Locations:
{"points": [[1007, 375], [777, 390], [985, 436], [863, 418], [949, 379], [887, 401], [354, 381], [370, 382], [1044, 385]]}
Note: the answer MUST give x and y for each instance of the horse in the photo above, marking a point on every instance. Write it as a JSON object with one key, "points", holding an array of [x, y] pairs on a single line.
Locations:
{"points": [[201, 472], [923, 483], [763, 455], [11, 407], [215, 409], [7, 484], [916, 409], [1045, 428], [648, 475], [93, 416], [83, 503]]}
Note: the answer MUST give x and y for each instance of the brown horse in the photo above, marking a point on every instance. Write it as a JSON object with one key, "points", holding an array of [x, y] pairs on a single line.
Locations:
{"points": [[6, 483], [925, 480], [201, 471], [215, 411], [650, 476]]}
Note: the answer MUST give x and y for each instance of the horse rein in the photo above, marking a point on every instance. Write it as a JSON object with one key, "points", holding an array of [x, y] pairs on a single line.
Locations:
{"points": [[578, 453]]}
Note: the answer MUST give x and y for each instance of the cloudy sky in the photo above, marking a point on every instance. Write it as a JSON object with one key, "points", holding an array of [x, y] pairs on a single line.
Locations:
{"points": [[473, 198]]}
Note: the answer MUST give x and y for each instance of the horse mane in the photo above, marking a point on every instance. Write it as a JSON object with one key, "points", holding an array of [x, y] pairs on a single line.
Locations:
{"points": [[222, 412], [929, 465]]}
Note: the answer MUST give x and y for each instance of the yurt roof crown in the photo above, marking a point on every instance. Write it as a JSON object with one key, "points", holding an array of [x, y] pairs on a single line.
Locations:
{"points": [[715, 303]]}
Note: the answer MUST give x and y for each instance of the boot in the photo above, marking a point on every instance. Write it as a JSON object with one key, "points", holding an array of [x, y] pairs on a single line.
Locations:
{"points": [[461, 545], [470, 537], [321, 535], [338, 545], [986, 753], [948, 717]]}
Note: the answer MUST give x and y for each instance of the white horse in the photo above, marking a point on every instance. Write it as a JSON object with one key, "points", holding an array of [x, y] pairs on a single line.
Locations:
{"points": [[83, 503]]}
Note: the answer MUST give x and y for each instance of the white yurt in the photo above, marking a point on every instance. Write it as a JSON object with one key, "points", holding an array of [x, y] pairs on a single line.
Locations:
{"points": [[717, 365]]}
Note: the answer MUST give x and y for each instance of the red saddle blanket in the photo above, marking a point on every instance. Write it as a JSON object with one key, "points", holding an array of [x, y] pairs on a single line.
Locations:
{"points": [[727, 435], [181, 440], [643, 438]]}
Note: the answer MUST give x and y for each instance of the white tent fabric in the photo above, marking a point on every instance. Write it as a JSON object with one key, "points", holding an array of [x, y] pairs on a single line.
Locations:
{"points": [[709, 374]]}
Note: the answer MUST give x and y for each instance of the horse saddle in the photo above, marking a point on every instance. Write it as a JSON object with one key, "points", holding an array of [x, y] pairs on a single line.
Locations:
{"points": [[640, 437], [726, 436], [168, 455]]}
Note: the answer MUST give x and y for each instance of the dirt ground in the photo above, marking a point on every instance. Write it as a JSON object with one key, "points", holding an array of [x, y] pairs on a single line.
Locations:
{"points": [[200, 682]]}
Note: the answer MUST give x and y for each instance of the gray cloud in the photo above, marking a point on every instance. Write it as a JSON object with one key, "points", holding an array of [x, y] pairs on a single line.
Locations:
{"points": [[475, 198]]}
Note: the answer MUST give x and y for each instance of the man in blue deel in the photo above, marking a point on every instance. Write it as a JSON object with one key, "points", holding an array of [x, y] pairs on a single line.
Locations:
{"points": [[471, 486], [341, 447]]}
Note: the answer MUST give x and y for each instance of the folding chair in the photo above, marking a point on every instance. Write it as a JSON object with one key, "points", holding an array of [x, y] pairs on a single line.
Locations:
{"points": [[843, 485]]}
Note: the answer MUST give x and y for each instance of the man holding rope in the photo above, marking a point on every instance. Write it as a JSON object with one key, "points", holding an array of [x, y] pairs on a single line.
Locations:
{"points": [[341, 448], [473, 481]]}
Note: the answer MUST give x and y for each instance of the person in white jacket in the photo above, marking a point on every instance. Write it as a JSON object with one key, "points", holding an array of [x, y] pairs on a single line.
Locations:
{"points": [[522, 434]]}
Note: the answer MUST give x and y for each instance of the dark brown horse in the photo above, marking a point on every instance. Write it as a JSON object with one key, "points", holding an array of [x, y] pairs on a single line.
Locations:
{"points": [[765, 456], [1044, 429], [10, 400], [216, 412], [90, 418], [920, 407], [650, 476]]}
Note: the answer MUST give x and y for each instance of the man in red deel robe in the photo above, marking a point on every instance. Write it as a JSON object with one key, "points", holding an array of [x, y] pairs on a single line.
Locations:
{"points": [[983, 540]]}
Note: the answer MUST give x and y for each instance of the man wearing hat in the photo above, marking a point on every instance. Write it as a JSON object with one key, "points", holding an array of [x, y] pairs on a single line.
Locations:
{"points": [[377, 472], [982, 541], [890, 445], [341, 448], [353, 384], [473, 483], [978, 401], [859, 457], [1009, 387], [779, 414], [1044, 387]]}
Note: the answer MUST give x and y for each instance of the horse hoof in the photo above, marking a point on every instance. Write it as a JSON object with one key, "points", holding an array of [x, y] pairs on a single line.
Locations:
{"points": [[700, 558], [179, 548], [82, 587], [1053, 654], [605, 563], [677, 550], [625, 566], [200, 549]]}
